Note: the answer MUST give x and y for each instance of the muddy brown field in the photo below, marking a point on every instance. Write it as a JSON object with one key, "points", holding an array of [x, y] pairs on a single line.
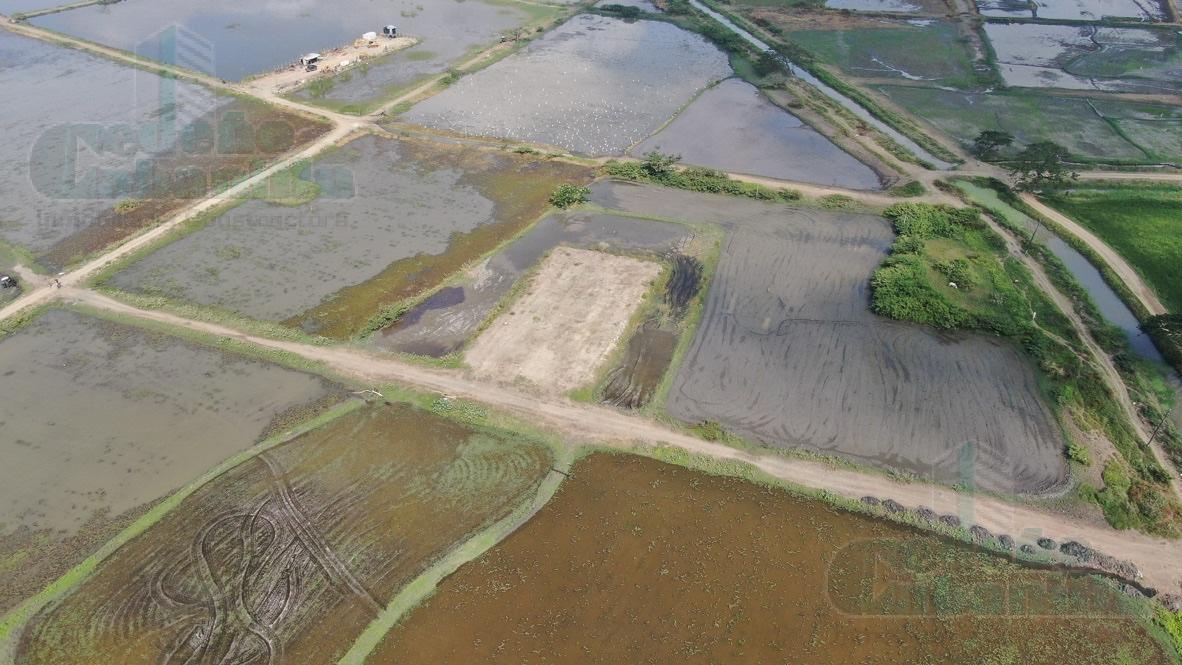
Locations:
{"points": [[635, 561], [571, 316], [287, 557]]}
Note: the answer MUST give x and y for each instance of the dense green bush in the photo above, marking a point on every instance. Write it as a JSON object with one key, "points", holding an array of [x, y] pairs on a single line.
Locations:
{"points": [[662, 170], [568, 195], [902, 291], [957, 270]]}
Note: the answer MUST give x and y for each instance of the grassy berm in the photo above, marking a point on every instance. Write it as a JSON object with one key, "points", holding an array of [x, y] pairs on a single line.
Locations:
{"points": [[949, 270]]}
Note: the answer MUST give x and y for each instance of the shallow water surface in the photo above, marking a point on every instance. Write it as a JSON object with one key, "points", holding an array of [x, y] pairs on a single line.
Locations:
{"points": [[232, 39], [733, 127], [447, 30], [99, 419], [594, 85], [61, 113], [383, 205]]}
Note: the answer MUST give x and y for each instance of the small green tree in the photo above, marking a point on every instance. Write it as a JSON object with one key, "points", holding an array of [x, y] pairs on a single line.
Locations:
{"points": [[658, 164], [767, 63], [990, 141], [1041, 166], [568, 195]]}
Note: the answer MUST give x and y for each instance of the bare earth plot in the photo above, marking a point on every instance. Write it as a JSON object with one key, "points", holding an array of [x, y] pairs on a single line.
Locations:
{"points": [[100, 420], [444, 322], [284, 559], [567, 323], [789, 354]]}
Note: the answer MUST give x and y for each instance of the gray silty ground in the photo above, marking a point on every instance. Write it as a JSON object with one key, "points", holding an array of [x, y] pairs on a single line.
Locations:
{"points": [[594, 85], [270, 261], [447, 30], [733, 127], [99, 417], [443, 323], [789, 354], [61, 112]]}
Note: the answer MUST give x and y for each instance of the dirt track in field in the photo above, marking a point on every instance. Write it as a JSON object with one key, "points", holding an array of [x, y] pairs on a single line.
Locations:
{"points": [[1159, 559]]}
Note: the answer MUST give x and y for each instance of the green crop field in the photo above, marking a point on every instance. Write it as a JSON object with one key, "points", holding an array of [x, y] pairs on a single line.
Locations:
{"points": [[931, 52], [1142, 222], [1114, 132]]}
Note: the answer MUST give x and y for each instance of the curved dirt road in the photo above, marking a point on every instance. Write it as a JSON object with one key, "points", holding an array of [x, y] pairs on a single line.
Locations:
{"points": [[1159, 559], [1115, 261]]}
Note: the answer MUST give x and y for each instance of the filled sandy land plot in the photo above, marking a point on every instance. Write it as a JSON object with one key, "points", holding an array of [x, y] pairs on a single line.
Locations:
{"points": [[733, 127], [444, 322], [286, 558], [94, 151], [789, 354], [594, 85], [383, 220], [567, 322], [635, 561], [100, 420]]}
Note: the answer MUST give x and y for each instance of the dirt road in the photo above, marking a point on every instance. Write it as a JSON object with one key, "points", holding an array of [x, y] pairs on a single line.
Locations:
{"points": [[1159, 559], [1100, 358], [1115, 261]]}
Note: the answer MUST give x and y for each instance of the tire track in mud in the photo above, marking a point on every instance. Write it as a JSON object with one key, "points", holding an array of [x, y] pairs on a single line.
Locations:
{"points": [[332, 566]]}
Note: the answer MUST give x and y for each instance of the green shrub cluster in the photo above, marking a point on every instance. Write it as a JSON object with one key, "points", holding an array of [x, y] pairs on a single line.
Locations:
{"points": [[568, 195], [662, 170], [623, 11], [903, 291]]}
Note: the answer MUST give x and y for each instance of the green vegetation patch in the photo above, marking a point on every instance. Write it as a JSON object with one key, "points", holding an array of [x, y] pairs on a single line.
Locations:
{"points": [[949, 270], [663, 170], [1143, 222], [932, 52], [1115, 133]]}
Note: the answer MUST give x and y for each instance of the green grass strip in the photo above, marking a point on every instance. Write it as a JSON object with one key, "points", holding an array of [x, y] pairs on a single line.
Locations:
{"points": [[424, 586]]}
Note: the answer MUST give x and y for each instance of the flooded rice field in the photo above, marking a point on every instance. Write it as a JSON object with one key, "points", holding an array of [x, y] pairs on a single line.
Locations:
{"points": [[95, 151], [642, 562], [1075, 10], [390, 219], [789, 354], [444, 322], [1087, 57], [566, 323], [931, 51], [234, 40], [447, 31], [609, 84], [100, 420], [1111, 130], [734, 127], [288, 556]]}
